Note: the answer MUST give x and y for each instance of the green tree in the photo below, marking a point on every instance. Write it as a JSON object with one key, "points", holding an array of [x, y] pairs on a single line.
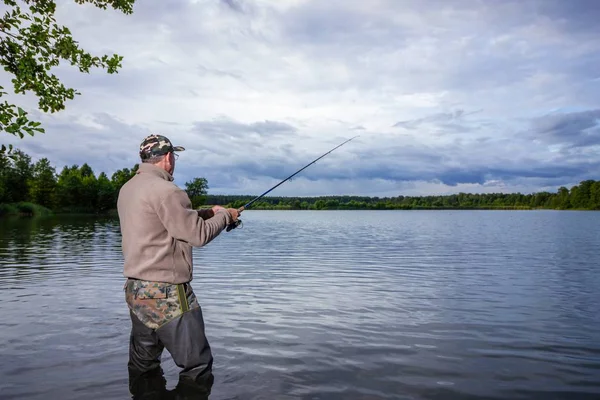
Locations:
{"points": [[69, 188], [576, 197], [562, 199], [595, 195], [320, 204], [585, 188], [19, 177], [89, 188], [31, 44], [540, 199], [43, 184], [197, 189], [121, 176], [85, 170], [332, 204], [5, 170], [106, 193]]}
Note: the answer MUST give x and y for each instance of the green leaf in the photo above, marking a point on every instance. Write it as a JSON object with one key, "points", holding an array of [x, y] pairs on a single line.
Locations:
{"points": [[31, 46]]}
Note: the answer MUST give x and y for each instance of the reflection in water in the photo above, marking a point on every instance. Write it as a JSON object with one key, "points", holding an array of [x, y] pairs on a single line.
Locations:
{"points": [[322, 305], [46, 246], [153, 386]]}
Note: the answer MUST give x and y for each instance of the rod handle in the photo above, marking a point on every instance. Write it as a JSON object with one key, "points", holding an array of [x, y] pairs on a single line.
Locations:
{"points": [[236, 223]]}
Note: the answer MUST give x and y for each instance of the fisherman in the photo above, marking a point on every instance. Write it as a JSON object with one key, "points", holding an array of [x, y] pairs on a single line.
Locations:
{"points": [[159, 229]]}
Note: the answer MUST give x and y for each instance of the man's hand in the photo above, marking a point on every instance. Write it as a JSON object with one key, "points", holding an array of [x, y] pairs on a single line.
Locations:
{"points": [[234, 213]]}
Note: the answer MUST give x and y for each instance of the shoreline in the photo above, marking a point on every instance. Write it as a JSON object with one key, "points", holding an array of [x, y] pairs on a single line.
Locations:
{"points": [[37, 211]]}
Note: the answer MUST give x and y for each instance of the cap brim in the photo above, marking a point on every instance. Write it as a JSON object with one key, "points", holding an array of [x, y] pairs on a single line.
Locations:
{"points": [[178, 148]]}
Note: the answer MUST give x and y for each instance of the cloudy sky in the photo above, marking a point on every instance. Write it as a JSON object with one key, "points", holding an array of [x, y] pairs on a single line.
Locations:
{"points": [[447, 96]]}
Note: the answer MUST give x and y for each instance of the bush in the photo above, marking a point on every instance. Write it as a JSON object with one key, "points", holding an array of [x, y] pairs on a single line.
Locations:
{"points": [[24, 208], [8, 209]]}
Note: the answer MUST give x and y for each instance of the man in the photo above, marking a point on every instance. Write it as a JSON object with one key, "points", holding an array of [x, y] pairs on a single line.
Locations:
{"points": [[159, 229]]}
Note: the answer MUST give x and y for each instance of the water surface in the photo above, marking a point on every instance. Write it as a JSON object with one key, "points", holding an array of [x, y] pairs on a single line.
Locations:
{"points": [[324, 305]]}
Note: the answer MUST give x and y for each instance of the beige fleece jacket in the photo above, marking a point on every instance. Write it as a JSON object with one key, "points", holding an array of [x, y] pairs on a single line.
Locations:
{"points": [[159, 228]]}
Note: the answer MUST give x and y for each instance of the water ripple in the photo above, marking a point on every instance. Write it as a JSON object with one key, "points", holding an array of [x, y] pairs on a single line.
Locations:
{"points": [[324, 305]]}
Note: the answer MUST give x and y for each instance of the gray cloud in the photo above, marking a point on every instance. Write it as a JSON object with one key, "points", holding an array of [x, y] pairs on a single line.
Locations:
{"points": [[235, 5], [208, 71], [473, 162], [447, 123], [573, 129], [226, 127], [439, 117], [221, 151], [578, 16]]}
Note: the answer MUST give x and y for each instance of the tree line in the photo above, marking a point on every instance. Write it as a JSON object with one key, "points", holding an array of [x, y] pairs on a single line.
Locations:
{"points": [[585, 196], [77, 189], [28, 187]]}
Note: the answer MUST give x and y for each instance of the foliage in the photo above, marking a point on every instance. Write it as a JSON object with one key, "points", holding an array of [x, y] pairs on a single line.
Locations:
{"points": [[586, 195], [197, 189], [27, 208], [15, 173], [24, 208], [75, 189], [31, 44], [120, 177], [42, 184], [106, 193], [8, 209]]}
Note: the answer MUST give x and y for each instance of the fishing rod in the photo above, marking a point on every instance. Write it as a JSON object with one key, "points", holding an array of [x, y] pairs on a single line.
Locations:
{"points": [[235, 224]]}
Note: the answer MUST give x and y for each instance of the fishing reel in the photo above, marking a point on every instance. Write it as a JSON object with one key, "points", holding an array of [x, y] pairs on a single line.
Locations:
{"points": [[234, 225]]}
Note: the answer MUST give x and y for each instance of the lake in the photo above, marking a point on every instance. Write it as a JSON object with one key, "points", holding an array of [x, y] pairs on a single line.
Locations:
{"points": [[323, 305]]}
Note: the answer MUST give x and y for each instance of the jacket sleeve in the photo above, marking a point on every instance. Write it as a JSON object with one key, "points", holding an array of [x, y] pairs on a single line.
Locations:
{"points": [[183, 223], [205, 213]]}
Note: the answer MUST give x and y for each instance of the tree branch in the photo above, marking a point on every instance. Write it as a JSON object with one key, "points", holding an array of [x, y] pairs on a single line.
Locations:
{"points": [[9, 34]]}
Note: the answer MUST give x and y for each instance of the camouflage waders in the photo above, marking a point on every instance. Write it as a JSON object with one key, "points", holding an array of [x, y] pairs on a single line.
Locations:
{"points": [[167, 316]]}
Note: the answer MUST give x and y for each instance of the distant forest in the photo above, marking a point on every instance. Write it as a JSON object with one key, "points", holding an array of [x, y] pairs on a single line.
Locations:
{"points": [[25, 185], [585, 196]]}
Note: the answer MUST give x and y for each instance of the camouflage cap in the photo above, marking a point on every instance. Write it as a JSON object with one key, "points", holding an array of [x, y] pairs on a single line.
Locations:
{"points": [[157, 145]]}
